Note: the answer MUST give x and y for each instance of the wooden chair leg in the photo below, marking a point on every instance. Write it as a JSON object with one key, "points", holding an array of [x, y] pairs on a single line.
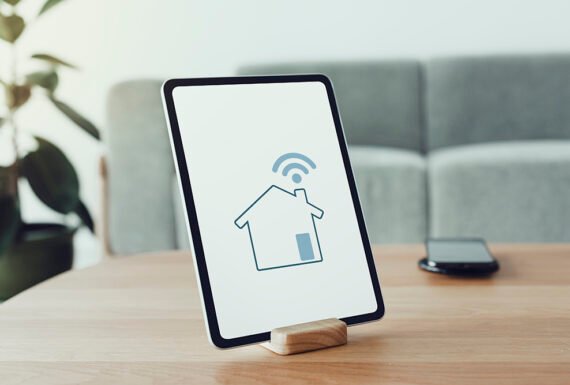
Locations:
{"points": [[102, 230]]}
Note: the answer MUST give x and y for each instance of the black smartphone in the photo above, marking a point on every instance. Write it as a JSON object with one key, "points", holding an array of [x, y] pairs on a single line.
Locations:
{"points": [[458, 256]]}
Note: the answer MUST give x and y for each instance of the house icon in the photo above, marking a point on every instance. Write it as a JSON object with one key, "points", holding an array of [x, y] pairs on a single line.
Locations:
{"points": [[282, 229]]}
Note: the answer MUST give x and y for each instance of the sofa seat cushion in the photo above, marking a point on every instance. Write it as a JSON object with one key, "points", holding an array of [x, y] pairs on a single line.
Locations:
{"points": [[504, 192], [392, 187]]}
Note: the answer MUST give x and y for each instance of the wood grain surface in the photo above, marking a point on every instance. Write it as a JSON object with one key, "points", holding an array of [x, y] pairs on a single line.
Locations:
{"points": [[137, 320]]}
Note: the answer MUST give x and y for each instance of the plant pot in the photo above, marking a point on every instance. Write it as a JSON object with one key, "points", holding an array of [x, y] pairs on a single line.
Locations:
{"points": [[41, 251]]}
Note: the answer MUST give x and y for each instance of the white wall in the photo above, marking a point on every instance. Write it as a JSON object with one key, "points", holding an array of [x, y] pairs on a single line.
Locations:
{"points": [[114, 40]]}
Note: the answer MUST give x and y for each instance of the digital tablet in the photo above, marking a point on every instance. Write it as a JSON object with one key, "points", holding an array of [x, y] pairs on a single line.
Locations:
{"points": [[277, 231]]}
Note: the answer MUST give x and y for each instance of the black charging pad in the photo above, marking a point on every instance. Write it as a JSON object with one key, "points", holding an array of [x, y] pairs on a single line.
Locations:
{"points": [[465, 269]]}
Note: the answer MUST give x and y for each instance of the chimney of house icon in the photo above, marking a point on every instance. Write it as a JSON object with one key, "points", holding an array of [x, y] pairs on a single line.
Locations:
{"points": [[301, 193]]}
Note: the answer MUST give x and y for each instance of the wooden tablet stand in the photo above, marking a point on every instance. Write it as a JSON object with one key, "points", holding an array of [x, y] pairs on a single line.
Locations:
{"points": [[308, 336]]}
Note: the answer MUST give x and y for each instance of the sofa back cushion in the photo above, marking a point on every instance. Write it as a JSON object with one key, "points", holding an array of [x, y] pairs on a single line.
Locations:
{"points": [[485, 99], [379, 102]]}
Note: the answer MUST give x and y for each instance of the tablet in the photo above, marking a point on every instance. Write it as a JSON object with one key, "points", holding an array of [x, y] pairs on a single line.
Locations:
{"points": [[277, 231]]}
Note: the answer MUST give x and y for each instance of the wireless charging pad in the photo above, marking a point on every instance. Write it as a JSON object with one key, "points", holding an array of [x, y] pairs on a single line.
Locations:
{"points": [[467, 269]]}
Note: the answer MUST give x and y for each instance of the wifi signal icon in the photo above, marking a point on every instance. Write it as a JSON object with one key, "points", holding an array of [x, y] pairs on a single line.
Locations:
{"points": [[296, 164]]}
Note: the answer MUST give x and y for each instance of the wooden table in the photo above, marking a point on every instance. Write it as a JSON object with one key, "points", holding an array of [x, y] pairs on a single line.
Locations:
{"points": [[137, 320]]}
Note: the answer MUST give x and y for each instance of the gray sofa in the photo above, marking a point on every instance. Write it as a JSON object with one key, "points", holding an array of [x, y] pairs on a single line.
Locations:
{"points": [[474, 146]]}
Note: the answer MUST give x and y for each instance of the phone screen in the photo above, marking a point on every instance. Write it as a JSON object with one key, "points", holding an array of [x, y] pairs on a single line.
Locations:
{"points": [[458, 251]]}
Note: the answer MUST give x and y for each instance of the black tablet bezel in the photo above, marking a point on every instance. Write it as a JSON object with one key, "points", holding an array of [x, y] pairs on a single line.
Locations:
{"points": [[212, 321]]}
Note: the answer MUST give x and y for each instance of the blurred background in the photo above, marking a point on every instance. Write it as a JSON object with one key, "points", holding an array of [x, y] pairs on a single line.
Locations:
{"points": [[113, 41]]}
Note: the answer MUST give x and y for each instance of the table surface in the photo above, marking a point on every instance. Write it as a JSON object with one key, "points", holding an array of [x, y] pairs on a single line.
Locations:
{"points": [[139, 319]]}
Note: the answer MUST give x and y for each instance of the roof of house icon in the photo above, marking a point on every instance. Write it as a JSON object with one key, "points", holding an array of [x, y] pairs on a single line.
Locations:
{"points": [[282, 228], [274, 192]]}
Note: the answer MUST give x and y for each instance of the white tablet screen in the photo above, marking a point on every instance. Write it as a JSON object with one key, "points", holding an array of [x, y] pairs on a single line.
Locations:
{"points": [[277, 222]]}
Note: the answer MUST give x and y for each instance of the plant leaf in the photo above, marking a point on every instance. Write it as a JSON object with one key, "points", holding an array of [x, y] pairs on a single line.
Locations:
{"points": [[83, 213], [52, 177], [48, 5], [11, 27], [45, 79], [53, 60], [11, 2], [17, 95], [76, 118], [2, 120]]}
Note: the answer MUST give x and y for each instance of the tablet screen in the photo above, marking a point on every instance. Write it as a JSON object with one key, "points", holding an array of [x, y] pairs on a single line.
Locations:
{"points": [[273, 206]]}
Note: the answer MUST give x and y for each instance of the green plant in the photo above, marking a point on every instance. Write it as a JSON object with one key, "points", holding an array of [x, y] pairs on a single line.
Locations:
{"points": [[48, 171]]}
